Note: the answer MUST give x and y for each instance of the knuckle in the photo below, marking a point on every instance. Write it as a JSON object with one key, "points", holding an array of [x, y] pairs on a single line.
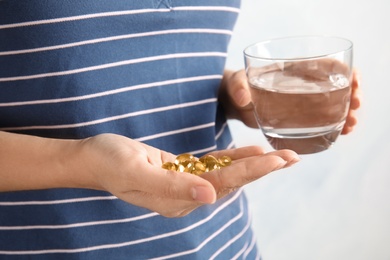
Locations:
{"points": [[177, 186], [171, 191]]}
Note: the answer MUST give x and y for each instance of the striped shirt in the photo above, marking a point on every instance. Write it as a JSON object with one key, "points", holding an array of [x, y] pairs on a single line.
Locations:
{"points": [[146, 69]]}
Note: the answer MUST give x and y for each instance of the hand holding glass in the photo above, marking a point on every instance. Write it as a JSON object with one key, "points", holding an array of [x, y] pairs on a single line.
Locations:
{"points": [[300, 89]]}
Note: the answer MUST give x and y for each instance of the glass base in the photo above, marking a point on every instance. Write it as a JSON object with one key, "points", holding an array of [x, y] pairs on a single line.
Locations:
{"points": [[306, 145]]}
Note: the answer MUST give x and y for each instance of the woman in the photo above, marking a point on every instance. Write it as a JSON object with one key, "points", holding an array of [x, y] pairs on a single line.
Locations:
{"points": [[94, 97]]}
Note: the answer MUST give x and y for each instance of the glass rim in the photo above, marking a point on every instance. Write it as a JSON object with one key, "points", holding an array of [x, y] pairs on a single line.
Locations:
{"points": [[349, 47]]}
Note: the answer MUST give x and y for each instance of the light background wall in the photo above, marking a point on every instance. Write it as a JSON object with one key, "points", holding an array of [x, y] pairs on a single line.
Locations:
{"points": [[334, 205]]}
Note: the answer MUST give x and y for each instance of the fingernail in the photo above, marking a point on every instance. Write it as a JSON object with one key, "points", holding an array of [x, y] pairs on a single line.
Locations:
{"points": [[201, 194], [281, 164], [293, 161]]}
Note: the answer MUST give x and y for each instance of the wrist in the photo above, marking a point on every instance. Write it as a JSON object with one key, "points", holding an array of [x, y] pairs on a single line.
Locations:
{"points": [[75, 161], [31, 162]]}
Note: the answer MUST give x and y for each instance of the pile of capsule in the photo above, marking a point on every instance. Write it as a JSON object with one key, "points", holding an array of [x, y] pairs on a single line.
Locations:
{"points": [[188, 163]]}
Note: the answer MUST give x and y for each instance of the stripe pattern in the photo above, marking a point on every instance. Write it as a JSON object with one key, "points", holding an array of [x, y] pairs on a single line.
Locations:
{"points": [[149, 70]]}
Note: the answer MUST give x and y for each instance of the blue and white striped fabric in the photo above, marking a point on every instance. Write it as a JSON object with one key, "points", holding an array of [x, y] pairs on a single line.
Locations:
{"points": [[146, 69]]}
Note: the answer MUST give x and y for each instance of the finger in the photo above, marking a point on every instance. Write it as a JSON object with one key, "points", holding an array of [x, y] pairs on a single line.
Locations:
{"points": [[238, 153], [173, 185], [239, 89], [355, 102], [350, 122], [355, 99], [249, 151], [242, 172], [289, 156], [347, 130], [246, 170], [356, 79], [164, 206], [351, 119]]}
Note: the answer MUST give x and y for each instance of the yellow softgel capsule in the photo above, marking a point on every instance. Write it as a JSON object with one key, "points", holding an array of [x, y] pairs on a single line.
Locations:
{"points": [[199, 166], [211, 163], [184, 157], [180, 168], [208, 158], [188, 163], [188, 166], [169, 166], [225, 161]]}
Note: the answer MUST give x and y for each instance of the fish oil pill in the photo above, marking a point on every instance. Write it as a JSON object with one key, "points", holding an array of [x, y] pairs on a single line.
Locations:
{"points": [[188, 166], [210, 162], [188, 163], [199, 166], [225, 161], [169, 166], [184, 157]]}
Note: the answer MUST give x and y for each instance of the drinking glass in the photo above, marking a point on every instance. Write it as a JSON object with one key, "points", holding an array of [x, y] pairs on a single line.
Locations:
{"points": [[300, 89]]}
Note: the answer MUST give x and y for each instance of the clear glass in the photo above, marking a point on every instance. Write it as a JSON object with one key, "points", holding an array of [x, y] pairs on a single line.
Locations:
{"points": [[300, 89]]}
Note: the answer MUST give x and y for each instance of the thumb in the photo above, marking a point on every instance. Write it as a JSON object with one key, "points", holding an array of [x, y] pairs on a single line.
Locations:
{"points": [[239, 89], [176, 185]]}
